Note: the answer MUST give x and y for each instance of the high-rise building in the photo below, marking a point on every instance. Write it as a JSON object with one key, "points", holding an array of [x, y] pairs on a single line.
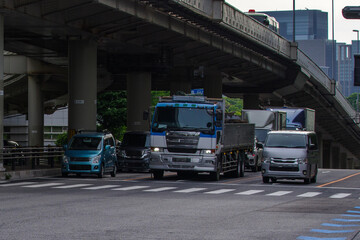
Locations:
{"points": [[309, 24]]}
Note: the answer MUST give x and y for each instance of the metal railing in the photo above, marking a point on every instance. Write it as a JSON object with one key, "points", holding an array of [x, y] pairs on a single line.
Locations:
{"points": [[25, 158]]}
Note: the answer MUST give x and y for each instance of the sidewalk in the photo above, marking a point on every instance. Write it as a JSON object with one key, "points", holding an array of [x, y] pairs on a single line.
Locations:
{"points": [[25, 174]]}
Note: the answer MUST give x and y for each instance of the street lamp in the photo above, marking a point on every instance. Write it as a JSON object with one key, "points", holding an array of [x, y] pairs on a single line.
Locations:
{"points": [[357, 31]]}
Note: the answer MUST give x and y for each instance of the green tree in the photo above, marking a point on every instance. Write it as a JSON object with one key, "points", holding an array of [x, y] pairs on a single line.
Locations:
{"points": [[234, 105], [352, 99], [112, 112], [61, 139]]}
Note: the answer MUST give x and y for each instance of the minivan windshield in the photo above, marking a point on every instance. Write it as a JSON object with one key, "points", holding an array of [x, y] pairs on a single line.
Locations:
{"points": [[85, 143], [286, 140], [134, 140]]}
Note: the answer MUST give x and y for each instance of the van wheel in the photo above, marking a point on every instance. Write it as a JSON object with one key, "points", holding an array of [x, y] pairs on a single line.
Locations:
{"points": [[307, 180], [266, 179], [158, 174], [113, 173], [102, 171]]}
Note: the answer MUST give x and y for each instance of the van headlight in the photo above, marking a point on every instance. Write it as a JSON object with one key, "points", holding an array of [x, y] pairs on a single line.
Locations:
{"points": [[302, 160], [66, 159], [96, 159], [266, 160]]}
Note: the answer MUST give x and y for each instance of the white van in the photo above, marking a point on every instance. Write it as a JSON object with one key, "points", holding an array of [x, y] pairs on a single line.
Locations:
{"points": [[290, 155]]}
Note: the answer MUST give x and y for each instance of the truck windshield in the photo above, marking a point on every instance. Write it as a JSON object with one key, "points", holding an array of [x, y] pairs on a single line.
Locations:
{"points": [[85, 143], [184, 119], [286, 141]]}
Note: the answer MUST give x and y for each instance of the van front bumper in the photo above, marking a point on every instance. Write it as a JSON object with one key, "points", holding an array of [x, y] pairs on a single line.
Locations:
{"points": [[285, 171], [80, 168]]}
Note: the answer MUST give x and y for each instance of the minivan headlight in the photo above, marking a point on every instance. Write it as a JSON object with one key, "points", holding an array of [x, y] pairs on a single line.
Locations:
{"points": [[157, 149], [96, 159], [66, 159]]}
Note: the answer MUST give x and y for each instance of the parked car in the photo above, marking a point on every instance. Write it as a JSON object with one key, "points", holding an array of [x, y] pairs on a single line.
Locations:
{"points": [[92, 152], [134, 151], [12, 155], [290, 155]]}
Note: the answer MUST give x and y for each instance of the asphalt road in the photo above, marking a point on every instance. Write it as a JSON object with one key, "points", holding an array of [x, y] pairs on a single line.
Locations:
{"points": [[134, 206]]}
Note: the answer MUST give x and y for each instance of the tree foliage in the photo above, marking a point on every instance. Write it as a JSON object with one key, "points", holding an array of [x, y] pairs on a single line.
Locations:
{"points": [[352, 99], [234, 105]]}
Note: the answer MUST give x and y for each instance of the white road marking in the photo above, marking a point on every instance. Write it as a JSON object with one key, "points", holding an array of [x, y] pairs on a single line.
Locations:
{"points": [[101, 187], [16, 184], [340, 195], [74, 186], [190, 190], [160, 189], [43, 185], [130, 188], [309, 194], [220, 191], [249, 192], [279, 193]]}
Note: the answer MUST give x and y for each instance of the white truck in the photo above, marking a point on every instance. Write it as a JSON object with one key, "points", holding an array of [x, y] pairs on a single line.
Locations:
{"points": [[298, 118], [189, 134], [264, 121]]}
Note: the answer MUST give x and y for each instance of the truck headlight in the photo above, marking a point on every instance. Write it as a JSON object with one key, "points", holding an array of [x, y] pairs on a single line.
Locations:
{"points": [[96, 159], [157, 149], [66, 159], [208, 151]]}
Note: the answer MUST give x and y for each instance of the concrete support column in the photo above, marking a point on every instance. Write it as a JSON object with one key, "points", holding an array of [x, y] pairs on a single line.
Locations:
{"points": [[1, 90], [35, 112], [251, 101], [82, 85], [138, 100], [180, 80], [213, 83], [335, 157], [326, 153]]}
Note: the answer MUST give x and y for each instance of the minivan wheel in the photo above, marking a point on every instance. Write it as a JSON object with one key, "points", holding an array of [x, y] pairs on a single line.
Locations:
{"points": [[102, 171], [307, 180], [113, 173], [158, 174], [266, 179]]}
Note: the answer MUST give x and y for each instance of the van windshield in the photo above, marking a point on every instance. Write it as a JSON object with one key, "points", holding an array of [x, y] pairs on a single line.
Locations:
{"points": [[286, 140], [85, 143]]}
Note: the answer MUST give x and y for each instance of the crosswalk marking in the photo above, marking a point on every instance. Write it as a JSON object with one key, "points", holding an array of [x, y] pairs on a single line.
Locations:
{"points": [[279, 193], [16, 184], [190, 190], [340, 195], [309, 194], [73, 186], [130, 188], [220, 191], [101, 187], [43, 185], [249, 192], [160, 189]]}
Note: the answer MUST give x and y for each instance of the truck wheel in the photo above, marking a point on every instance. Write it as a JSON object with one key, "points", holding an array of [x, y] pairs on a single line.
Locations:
{"points": [[266, 179], [237, 172], [242, 164], [215, 176], [158, 174]]}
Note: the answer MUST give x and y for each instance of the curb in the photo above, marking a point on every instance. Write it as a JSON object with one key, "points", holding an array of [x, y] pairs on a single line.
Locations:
{"points": [[25, 174]]}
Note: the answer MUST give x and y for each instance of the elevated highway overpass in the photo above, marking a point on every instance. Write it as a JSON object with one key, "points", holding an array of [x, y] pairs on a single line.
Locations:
{"points": [[70, 49]]}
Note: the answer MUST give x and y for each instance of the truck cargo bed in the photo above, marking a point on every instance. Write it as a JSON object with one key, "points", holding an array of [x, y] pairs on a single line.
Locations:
{"points": [[238, 135]]}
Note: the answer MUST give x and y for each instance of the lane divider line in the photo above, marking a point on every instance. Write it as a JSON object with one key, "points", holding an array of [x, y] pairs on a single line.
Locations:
{"points": [[339, 180]]}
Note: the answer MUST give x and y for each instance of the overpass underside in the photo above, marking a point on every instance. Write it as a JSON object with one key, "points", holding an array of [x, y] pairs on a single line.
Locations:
{"points": [[161, 38]]}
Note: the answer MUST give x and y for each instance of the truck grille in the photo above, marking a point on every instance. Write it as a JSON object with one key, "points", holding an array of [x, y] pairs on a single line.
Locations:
{"points": [[184, 142]]}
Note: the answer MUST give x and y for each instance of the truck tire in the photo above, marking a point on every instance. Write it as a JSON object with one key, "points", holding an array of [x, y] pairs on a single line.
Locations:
{"points": [[242, 164], [158, 174], [215, 176]]}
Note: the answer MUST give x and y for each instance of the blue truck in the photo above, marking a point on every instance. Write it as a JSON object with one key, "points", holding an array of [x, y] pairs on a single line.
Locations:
{"points": [[190, 134]]}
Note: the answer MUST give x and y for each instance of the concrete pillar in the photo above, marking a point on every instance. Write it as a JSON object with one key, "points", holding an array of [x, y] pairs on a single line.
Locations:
{"points": [[138, 100], [213, 83], [180, 80], [251, 101], [343, 160], [35, 112], [335, 157], [82, 85], [326, 153], [1, 90]]}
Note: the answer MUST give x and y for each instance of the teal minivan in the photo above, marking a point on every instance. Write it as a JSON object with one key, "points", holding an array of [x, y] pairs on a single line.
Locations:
{"points": [[90, 153]]}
